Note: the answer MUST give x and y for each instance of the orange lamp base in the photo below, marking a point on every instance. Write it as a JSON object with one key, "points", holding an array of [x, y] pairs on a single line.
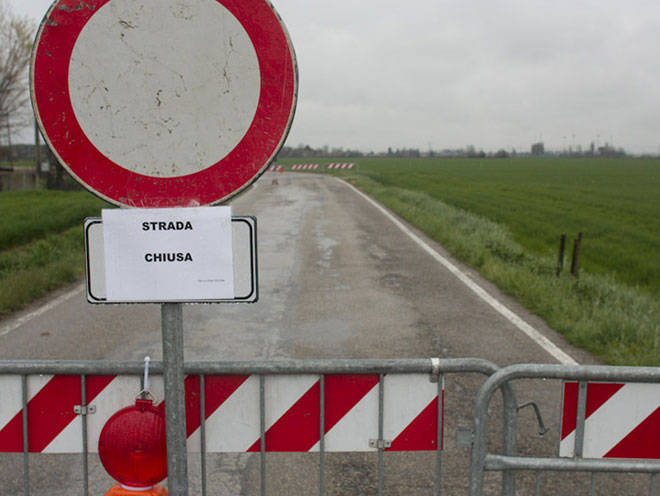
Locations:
{"points": [[117, 490]]}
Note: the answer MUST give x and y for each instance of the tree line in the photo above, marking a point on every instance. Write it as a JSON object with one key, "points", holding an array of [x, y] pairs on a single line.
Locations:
{"points": [[16, 34]]}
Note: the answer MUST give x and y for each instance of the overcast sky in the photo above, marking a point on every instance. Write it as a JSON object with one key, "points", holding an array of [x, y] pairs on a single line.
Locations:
{"points": [[491, 73]]}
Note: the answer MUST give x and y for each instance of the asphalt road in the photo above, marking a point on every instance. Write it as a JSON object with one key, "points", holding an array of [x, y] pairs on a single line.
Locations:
{"points": [[338, 279]]}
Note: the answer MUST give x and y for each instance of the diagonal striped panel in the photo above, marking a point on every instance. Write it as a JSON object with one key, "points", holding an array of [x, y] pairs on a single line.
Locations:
{"points": [[597, 394], [416, 427], [415, 436], [11, 431], [234, 425], [619, 420], [296, 428], [232, 411], [642, 442], [70, 439], [50, 411]]}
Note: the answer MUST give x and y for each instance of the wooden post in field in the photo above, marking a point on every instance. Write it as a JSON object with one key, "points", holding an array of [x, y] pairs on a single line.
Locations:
{"points": [[576, 255], [562, 248]]}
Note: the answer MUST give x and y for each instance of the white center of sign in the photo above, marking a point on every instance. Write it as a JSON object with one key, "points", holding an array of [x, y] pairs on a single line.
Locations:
{"points": [[164, 88]]}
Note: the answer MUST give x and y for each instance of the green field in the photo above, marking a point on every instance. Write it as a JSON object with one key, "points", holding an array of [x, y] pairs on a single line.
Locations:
{"points": [[17, 163], [614, 203], [41, 245], [504, 217], [31, 215]]}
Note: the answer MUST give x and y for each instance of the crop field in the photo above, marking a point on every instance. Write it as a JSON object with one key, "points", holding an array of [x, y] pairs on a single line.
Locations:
{"points": [[614, 203], [31, 215], [41, 243], [504, 217], [17, 163]]}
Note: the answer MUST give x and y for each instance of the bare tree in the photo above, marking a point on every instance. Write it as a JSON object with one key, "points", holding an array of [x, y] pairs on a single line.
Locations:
{"points": [[16, 34]]}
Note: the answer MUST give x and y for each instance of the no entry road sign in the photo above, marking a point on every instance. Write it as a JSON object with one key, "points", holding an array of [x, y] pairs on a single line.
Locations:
{"points": [[164, 103]]}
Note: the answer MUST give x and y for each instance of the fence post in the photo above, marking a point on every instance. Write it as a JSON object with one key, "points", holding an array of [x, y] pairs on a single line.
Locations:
{"points": [[576, 255], [37, 153], [562, 248]]}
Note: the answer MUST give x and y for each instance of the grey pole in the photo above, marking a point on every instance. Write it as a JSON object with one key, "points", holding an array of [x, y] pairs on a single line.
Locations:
{"points": [[175, 407]]}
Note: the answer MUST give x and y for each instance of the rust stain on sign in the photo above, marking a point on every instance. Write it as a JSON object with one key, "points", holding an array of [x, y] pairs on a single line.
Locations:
{"points": [[80, 6]]}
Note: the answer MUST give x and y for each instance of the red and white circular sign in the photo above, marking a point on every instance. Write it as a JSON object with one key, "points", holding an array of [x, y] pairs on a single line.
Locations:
{"points": [[164, 103]]}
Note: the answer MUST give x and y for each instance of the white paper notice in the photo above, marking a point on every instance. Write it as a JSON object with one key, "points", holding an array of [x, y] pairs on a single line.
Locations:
{"points": [[168, 254]]}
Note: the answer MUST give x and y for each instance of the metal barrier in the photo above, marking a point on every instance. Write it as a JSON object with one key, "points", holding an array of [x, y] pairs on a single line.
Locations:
{"points": [[435, 368], [509, 463]]}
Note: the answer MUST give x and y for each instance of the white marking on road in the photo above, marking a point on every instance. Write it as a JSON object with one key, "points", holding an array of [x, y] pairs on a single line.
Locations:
{"points": [[16, 323], [561, 356]]}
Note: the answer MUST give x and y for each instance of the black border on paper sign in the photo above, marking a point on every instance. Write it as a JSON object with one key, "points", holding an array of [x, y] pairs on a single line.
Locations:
{"points": [[251, 297]]}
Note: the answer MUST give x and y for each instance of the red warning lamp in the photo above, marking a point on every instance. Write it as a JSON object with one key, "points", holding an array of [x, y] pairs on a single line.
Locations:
{"points": [[132, 446]]}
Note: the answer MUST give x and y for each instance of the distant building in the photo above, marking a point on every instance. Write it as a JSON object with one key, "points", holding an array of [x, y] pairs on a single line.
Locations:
{"points": [[538, 149], [610, 151]]}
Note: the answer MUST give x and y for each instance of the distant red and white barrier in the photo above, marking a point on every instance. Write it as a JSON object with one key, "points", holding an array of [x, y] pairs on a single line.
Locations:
{"points": [[276, 168], [341, 166], [305, 167]]}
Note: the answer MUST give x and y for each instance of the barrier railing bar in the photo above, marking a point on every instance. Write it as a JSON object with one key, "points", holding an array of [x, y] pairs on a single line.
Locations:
{"points": [[85, 461], [592, 490], [500, 462], [262, 427], [381, 436], [568, 372], [322, 438], [202, 429], [578, 448], [335, 366], [438, 475], [26, 461]]}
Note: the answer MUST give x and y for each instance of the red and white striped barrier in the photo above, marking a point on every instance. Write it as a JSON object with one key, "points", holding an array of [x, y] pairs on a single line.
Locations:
{"points": [[276, 168], [622, 420], [340, 166], [305, 167], [292, 412]]}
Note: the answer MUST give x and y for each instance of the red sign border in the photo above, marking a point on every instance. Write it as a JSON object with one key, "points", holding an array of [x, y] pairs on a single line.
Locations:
{"points": [[49, 91]]}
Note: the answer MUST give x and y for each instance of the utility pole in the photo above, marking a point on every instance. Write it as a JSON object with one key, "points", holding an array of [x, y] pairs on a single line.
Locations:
{"points": [[9, 148], [37, 151]]}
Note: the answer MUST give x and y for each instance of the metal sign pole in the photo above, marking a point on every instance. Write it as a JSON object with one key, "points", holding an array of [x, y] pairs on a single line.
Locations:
{"points": [[175, 408]]}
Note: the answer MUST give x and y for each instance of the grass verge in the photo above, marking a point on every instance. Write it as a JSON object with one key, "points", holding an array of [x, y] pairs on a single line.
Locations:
{"points": [[32, 270], [41, 243], [618, 324], [31, 215]]}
